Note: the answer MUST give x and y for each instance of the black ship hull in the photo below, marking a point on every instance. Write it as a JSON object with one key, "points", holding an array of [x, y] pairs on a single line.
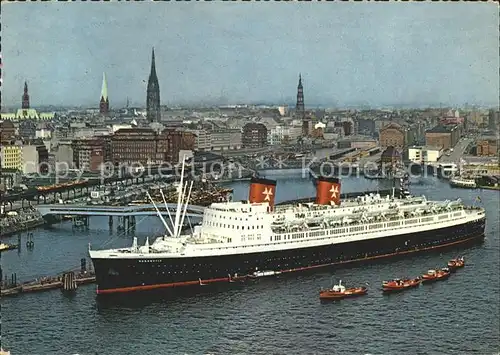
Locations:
{"points": [[125, 275]]}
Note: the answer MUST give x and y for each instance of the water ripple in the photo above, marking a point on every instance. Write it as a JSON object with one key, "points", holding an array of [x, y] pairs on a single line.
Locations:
{"points": [[279, 316]]}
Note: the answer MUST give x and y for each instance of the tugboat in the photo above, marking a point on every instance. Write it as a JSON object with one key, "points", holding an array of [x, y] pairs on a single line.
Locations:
{"points": [[338, 292], [456, 263], [400, 285], [436, 275]]}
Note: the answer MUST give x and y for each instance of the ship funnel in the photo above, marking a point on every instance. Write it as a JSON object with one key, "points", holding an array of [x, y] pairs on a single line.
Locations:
{"points": [[262, 190], [328, 191]]}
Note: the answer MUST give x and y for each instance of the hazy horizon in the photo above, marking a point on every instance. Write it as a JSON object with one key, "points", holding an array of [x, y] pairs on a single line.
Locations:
{"points": [[228, 53]]}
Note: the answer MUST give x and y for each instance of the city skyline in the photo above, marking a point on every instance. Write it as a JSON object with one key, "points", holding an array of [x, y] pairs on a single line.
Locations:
{"points": [[222, 53]]}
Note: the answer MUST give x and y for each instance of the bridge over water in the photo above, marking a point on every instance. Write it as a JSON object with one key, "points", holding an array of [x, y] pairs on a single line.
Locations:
{"points": [[120, 211], [149, 210]]}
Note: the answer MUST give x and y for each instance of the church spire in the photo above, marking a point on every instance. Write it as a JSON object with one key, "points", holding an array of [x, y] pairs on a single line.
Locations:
{"points": [[153, 93], [25, 98], [104, 89], [153, 65], [300, 99], [104, 102]]}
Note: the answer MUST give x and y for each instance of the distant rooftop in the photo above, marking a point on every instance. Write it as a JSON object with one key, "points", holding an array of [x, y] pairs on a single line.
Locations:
{"points": [[359, 138], [442, 129], [426, 147], [487, 138]]}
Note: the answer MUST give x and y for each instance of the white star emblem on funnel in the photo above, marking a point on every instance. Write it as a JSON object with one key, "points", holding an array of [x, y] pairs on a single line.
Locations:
{"points": [[268, 193], [334, 190]]}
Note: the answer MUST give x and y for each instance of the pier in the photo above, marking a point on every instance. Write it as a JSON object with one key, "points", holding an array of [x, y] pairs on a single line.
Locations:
{"points": [[67, 281]]}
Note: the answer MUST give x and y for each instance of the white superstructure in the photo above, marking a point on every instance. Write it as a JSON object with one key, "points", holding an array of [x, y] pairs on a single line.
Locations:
{"points": [[463, 182]]}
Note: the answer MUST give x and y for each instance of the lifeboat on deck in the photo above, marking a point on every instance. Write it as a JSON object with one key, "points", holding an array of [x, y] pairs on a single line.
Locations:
{"points": [[457, 263], [400, 285], [338, 292], [436, 275]]}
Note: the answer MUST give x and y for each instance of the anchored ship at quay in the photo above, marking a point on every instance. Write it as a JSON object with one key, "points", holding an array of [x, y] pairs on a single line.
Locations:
{"points": [[257, 238]]}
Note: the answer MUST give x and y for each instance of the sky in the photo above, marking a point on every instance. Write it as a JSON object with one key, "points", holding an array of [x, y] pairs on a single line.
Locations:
{"points": [[231, 52]]}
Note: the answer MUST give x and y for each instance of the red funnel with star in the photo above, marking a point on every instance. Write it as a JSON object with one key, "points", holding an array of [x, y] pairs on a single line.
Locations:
{"points": [[328, 191], [262, 190]]}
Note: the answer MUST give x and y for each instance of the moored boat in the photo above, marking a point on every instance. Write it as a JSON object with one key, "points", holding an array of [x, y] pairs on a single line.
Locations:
{"points": [[436, 275], [456, 263], [339, 291], [400, 285], [5, 247], [465, 183]]}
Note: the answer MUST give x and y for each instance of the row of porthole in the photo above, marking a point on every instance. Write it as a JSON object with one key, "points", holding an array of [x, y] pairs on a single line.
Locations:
{"points": [[326, 260]]}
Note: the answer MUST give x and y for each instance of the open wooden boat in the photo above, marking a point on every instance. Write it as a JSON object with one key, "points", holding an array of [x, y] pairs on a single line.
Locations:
{"points": [[400, 285], [436, 275], [456, 263], [338, 292]]}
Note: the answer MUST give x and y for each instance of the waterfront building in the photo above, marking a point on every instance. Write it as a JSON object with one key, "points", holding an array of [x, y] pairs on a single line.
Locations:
{"points": [[89, 154], [254, 135], [202, 139], [225, 139], [392, 135], [487, 146], [444, 136], [147, 147], [171, 142], [424, 154], [135, 145]]}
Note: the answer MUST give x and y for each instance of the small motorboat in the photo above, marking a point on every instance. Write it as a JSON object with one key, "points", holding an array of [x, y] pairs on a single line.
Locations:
{"points": [[5, 247], [400, 285], [338, 292], [456, 263], [436, 275]]}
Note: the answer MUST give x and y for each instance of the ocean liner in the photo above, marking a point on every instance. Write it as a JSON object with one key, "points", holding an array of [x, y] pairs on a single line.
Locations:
{"points": [[257, 238]]}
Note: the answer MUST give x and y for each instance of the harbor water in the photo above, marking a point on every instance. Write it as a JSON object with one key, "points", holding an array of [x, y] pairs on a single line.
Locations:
{"points": [[270, 316]]}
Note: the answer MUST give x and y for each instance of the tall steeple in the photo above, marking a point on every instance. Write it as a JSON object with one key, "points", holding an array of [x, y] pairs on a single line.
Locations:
{"points": [[300, 99], [25, 98], [104, 102], [153, 94], [300, 111]]}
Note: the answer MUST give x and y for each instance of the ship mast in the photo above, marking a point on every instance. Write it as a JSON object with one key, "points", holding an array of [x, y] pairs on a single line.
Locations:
{"points": [[166, 207], [159, 215], [185, 208], [179, 199]]}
